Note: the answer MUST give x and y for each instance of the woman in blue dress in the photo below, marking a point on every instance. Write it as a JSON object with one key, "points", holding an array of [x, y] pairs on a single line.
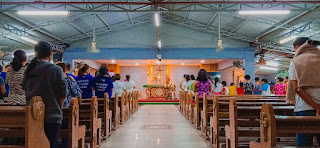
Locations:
{"points": [[84, 81], [103, 83]]}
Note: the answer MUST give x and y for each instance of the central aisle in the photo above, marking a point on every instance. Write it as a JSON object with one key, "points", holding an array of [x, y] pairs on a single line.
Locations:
{"points": [[156, 126]]}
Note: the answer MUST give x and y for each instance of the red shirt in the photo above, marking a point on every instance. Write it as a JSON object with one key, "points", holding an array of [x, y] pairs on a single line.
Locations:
{"points": [[240, 91]]}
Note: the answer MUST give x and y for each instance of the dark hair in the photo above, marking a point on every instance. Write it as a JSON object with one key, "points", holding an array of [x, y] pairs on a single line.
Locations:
{"points": [[216, 80], [257, 79], [7, 66], [241, 84], [128, 78], [83, 69], [42, 50], [224, 83], [231, 84], [19, 57], [247, 77], [280, 79], [1, 68], [210, 79], [265, 80], [117, 77], [63, 66], [300, 41], [68, 66], [192, 77], [287, 77], [184, 76], [103, 70], [187, 78], [202, 76]]}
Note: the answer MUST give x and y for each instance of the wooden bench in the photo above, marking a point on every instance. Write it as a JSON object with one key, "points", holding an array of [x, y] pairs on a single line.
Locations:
{"points": [[89, 117], [104, 113], [135, 96], [191, 103], [114, 106], [271, 126], [24, 122], [220, 113], [75, 133], [244, 122], [196, 110]]}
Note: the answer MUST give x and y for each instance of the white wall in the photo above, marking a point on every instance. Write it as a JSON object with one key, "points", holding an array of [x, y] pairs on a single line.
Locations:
{"points": [[177, 72], [138, 74], [227, 75]]}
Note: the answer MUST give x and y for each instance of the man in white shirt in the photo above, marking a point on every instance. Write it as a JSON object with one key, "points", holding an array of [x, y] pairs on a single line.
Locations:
{"points": [[118, 86], [307, 100]]}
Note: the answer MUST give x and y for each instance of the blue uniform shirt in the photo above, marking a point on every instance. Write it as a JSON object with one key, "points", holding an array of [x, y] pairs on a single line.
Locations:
{"points": [[104, 85], [85, 84], [3, 75]]}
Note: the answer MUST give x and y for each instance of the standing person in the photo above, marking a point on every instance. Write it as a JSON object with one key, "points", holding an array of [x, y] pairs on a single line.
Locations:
{"points": [[3, 74], [240, 90], [103, 83], [73, 91], [129, 84], [45, 79], [257, 86], [182, 81], [203, 84], [225, 90], [186, 84], [68, 71], [217, 87], [14, 78], [265, 88], [286, 79], [248, 86], [118, 86], [84, 81], [279, 87], [193, 79], [303, 86], [232, 89]]}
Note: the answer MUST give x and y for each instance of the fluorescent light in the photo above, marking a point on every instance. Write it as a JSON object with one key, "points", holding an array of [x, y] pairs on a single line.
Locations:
{"points": [[202, 61], [157, 19], [288, 39], [159, 44], [113, 61], [137, 64], [29, 40], [182, 64], [43, 12], [272, 64], [269, 68], [31, 53], [263, 12]]}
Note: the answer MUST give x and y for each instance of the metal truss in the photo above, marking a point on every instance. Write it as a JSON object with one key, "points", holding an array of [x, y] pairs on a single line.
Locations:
{"points": [[116, 27], [172, 6], [203, 27]]}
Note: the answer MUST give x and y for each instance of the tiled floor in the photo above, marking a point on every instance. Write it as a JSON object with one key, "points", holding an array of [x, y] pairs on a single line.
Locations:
{"points": [[156, 126]]}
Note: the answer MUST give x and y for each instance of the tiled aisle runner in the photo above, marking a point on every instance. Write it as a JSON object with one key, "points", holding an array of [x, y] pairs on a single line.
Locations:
{"points": [[156, 126]]}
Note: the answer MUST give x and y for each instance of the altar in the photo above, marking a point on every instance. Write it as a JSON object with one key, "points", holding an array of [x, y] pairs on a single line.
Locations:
{"points": [[156, 91]]}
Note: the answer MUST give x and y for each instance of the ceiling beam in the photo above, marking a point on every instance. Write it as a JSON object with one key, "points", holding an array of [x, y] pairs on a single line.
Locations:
{"points": [[99, 16], [22, 21]]}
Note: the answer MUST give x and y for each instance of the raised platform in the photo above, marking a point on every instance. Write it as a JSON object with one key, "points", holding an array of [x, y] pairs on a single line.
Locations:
{"points": [[143, 101]]}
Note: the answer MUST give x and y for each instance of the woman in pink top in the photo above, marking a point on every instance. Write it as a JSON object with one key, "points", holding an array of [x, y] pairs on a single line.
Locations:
{"points": [[279, 87]]}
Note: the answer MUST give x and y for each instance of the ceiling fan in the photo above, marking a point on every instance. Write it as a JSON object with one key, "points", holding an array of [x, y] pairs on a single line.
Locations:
{"points": [[220, 45], [94, 48]]}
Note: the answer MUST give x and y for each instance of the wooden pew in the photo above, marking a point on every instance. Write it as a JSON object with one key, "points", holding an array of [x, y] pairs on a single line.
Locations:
{"points": [[127, 106], [191, 106], [24, 122], [104, 113], [196, 110], [115, 111], [220, 112], [122, 107], [89, 117], [136, 102], [271, 126], [244, 120], [75, 132]]}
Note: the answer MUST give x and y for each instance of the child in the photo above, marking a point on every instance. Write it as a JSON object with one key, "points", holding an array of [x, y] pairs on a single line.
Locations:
{"points": [[240, 89], [225, 90], [232, 89], [265, 88], [248, 86], [279, 87], [257, 86]]}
